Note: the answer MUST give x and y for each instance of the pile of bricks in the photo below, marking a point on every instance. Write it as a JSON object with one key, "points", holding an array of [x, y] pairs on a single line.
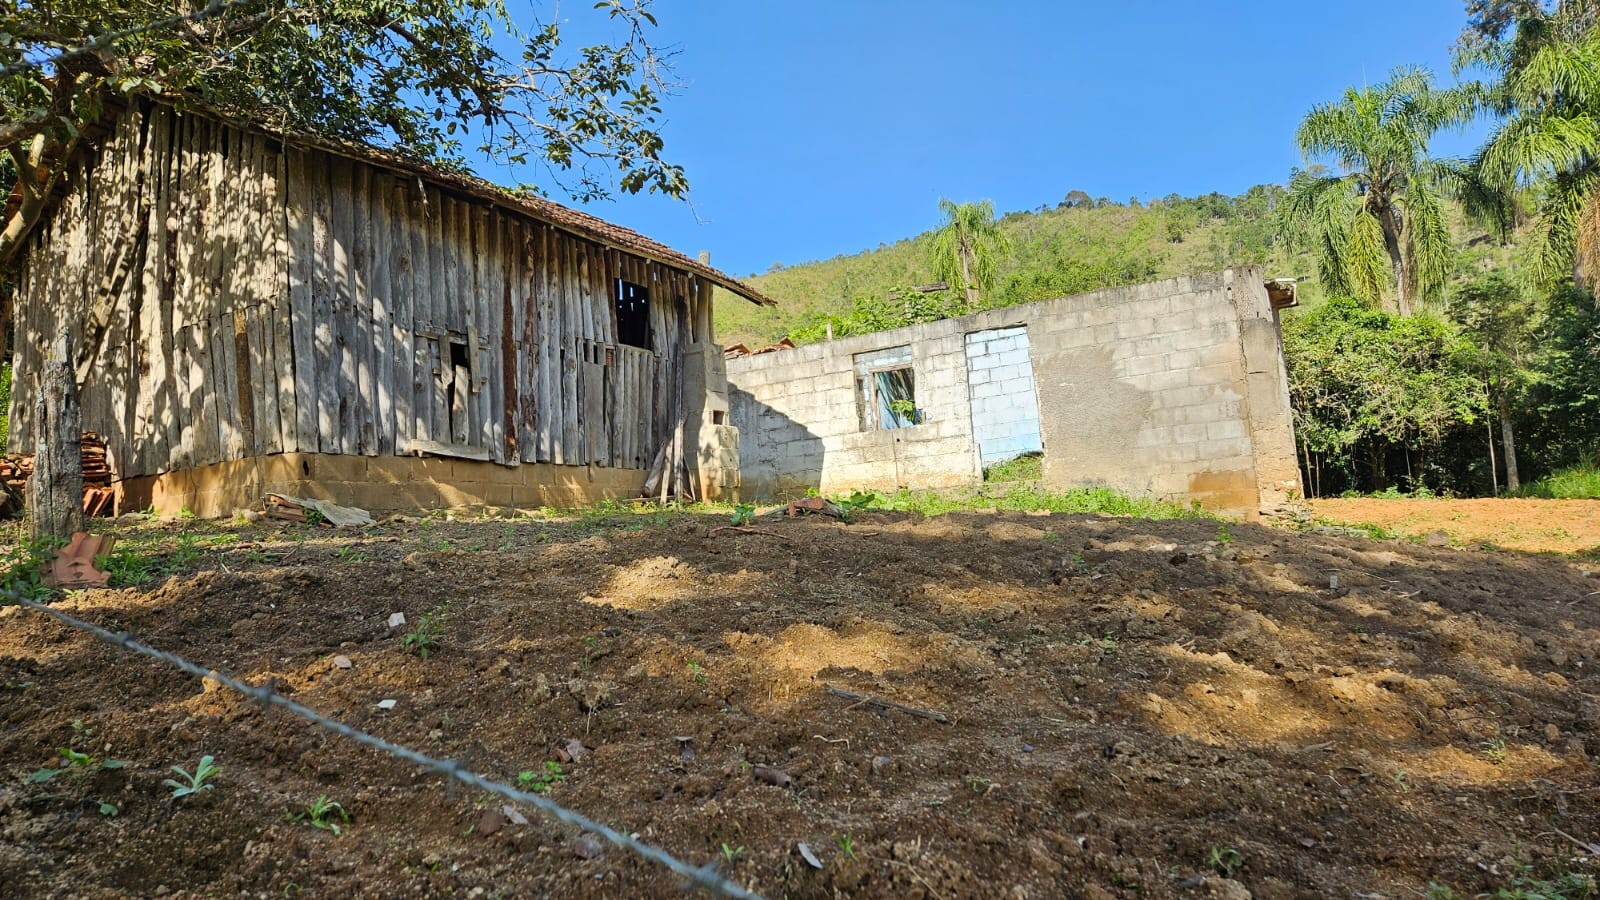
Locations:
{"points": [[98, 495]]}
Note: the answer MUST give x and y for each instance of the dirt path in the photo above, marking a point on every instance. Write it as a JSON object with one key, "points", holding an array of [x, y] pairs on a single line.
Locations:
{"points": [[1553, 526], [1136, 710]]}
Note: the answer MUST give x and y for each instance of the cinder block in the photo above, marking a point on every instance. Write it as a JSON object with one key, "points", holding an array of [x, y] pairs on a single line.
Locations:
{"points": [[1218, 375], [1226, 430], [1135, 328]]}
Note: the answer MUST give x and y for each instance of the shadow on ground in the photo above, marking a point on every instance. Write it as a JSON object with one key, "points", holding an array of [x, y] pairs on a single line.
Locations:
{"points": [[1136, 709]]}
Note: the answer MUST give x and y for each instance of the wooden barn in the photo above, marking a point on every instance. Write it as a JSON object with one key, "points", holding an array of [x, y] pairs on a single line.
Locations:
{"points": [[254, 311]]}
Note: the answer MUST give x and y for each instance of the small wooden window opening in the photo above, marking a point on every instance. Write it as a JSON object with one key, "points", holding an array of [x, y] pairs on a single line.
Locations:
{"points": [[633, 314]]}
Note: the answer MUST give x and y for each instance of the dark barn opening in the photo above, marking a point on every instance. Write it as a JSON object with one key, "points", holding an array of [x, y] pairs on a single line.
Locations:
{"points": [[633, 315]]}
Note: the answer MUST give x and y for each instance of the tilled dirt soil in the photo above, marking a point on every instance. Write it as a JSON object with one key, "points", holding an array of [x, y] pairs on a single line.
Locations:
{"points": [[1551, 526], [1135, 709]]}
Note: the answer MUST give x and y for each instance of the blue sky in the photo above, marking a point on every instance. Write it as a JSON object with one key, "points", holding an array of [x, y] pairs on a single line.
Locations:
{"points": [[818, 128]]}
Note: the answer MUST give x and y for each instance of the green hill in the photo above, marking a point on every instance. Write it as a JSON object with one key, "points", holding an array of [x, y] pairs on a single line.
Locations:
{"points": [[1070, 249], [1073, 248]]}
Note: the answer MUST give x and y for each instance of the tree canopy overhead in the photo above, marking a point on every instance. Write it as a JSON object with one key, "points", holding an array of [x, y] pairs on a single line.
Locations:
{"points": [[434, 78]]}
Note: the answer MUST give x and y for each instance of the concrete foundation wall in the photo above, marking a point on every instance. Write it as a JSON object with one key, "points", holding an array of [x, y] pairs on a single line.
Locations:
{"points": [[1174, 389], [379, 483]]}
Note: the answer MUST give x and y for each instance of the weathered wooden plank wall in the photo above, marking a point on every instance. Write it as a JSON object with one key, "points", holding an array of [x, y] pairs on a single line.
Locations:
{"points": [[234, 296]]}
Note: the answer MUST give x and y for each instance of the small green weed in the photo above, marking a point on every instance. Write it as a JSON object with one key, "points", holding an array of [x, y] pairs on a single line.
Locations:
{"points": [[352, 553], [76, 764], [185, 554], [1494, 750], [1027, 467], [324, 814], [1225, 861], [424, 639], [744, 513], [731, 855], [1224, 535], [540, 782], [697, 670], [846, 845], [24, 569], [194, 783], [128, 565]]}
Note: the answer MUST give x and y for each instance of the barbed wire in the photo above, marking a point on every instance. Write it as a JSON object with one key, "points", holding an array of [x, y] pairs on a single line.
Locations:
{"points": [[704, 876]]}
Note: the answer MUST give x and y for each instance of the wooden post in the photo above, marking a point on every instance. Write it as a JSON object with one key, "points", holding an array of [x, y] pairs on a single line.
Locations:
{"points": [[55, 490]]}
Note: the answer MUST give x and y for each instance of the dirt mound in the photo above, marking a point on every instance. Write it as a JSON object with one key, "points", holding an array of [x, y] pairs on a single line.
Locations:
{"points": [[1134, 709]]}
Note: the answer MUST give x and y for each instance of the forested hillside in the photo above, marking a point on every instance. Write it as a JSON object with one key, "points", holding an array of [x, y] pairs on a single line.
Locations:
{"points": [[1078, 245]]}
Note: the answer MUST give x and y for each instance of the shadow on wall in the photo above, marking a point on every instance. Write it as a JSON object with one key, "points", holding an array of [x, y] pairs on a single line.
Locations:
{"points": [[778, 457]]}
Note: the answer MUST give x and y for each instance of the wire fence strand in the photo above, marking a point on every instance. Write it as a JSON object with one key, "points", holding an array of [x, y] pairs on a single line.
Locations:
{"points": [[705, 876]]}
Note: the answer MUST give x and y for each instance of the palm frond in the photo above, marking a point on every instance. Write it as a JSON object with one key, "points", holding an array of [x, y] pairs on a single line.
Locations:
{"points": [[1427, 232], [1364, 258]]}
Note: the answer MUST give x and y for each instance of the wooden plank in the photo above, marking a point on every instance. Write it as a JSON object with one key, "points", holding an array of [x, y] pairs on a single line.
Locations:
{"points": [[300, 224], [458, 451], [165, 398], [553, 341], [594, 412], [180, 451], [381, 268], [262, 423], [485, 359], [572, 320], [440, 373], [513, 316], [205, 374], [421, 378], [464, 417], [495, 301], [324, 347], [360, 336], [546, 344], [279, 311], [247, 365], [342, 217], [144, 427], [224, 234], [402, 285]]}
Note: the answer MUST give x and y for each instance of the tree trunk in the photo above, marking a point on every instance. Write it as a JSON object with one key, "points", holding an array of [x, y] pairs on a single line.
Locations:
{"points": [[966, 275], [1508, 440], [55, 490], [1402, 274], [1380, 473], [1494, 472]]}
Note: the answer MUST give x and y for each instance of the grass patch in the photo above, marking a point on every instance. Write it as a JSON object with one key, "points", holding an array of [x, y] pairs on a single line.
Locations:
{"points": [[1027, 467], [1026, 498], [1579, 482]]}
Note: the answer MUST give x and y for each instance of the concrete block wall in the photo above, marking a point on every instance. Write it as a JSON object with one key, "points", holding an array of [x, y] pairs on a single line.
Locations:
{"points": [[1174, 389]]}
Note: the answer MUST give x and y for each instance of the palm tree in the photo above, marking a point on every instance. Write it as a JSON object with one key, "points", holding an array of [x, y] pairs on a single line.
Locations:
{"points": [[1548, 92], [1378, 224], [967, 249]]}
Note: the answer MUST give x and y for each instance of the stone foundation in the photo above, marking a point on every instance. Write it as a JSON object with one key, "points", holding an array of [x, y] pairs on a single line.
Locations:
{"points": [[377, 484]]}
